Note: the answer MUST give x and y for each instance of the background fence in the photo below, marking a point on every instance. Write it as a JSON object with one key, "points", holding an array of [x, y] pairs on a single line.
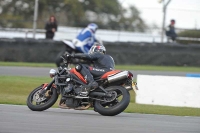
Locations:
{"points": [[41, 50], [149, 36]]}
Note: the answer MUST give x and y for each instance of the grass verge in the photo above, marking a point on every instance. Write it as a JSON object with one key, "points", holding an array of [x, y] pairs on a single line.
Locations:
{"points": [[15, 90]]}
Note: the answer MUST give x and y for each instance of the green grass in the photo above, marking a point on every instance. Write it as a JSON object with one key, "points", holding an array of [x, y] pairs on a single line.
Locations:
{"points": [[164, 110], [159, 68], [15, 90], [122, 67]]}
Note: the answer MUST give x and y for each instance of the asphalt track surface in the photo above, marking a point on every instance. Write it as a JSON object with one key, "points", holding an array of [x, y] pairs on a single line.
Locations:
{"points": [[38, 71], [19, 119]]}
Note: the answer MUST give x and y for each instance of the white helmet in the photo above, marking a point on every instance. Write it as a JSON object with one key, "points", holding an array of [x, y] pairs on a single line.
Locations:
{"points": [[97, 48], [93, 27]]}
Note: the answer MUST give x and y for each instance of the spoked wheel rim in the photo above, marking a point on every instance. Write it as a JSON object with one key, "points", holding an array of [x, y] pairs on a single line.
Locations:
{"points": [[40, 102], [39, 99]]}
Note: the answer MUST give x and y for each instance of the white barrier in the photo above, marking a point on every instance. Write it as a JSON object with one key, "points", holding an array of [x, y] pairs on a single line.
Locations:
{"points": [[168, 90]]}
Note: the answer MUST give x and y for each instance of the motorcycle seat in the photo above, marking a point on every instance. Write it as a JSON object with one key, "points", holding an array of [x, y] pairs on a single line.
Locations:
{"points": [[104, 76]]}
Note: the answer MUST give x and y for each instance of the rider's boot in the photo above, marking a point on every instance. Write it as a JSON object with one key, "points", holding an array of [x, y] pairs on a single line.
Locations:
{"points": [[92, 85], [89, 78]]}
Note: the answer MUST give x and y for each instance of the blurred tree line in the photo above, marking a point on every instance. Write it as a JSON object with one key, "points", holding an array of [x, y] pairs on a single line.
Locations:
{"points": [[192, 33], [108, 14]]}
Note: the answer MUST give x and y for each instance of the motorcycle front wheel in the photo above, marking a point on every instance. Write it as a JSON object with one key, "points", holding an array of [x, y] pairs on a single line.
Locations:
{"points": [[38, 102], [59, 60], [114, 106]]}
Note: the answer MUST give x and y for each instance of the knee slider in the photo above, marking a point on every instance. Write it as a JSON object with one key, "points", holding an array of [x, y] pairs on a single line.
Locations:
{"points": [[78, 67]]}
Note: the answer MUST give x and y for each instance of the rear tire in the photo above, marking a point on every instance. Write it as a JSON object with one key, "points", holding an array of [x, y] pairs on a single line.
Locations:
{"points": [[47, 102], [117, 107]]}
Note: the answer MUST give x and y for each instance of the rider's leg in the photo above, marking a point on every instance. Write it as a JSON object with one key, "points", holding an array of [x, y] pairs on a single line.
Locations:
{"points": [[96, 72], [88, 76]]}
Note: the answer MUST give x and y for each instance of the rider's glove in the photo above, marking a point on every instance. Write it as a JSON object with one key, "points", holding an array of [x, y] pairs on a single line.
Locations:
{"points": [[67, 56]]}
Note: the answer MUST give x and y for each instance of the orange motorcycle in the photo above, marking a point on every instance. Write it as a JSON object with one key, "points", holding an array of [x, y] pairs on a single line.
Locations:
{"points": [[110, 98]]}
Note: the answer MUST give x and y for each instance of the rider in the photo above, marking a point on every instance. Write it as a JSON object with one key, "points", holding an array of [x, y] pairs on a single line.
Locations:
{"points": [[102, 63], [86, 38]]}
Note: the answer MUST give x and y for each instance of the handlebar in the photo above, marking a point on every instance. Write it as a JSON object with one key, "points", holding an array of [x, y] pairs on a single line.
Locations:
{"points": [[65, 61]]}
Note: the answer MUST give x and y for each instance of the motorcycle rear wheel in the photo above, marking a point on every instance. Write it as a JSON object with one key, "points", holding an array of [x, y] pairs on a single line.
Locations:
{"points": [[45, 102], [114, 107]]}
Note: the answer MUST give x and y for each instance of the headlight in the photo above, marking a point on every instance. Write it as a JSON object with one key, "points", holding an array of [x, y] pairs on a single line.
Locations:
{"points": [[52, 73]]}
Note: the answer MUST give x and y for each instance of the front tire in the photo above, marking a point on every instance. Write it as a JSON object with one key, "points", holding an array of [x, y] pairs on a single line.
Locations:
{"points": [[59, 60], [44, 103], [115, 107]]}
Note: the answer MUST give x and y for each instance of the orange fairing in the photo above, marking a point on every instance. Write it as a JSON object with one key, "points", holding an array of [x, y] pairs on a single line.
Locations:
{"points": [[73, 70], [110, 73]]}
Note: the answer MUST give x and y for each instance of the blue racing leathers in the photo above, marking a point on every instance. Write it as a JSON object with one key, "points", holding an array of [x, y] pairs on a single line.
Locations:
{"points": [[84, 40]]}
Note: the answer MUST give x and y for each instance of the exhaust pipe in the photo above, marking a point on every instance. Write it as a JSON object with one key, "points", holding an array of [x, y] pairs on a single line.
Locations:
{"points": [[119, 76]]}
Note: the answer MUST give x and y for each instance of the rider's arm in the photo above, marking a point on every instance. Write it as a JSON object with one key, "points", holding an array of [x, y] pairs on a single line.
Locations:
{"points": [[86, 56], [82, 56]]}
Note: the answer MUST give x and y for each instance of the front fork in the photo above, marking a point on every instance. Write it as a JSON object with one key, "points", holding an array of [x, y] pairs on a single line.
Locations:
{"points": [[46, 87]]}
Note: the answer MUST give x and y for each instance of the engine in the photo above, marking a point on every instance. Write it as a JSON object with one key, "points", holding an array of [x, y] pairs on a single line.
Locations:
{"points": [[70, 93], [72, 102]]}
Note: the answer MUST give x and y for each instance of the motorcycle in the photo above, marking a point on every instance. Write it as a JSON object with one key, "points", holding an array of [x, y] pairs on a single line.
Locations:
{"points": [[109, 99], [70, 47]]}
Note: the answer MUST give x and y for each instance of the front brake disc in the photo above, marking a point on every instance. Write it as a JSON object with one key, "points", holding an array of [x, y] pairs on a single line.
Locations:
{"points": [[38, 98]]}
